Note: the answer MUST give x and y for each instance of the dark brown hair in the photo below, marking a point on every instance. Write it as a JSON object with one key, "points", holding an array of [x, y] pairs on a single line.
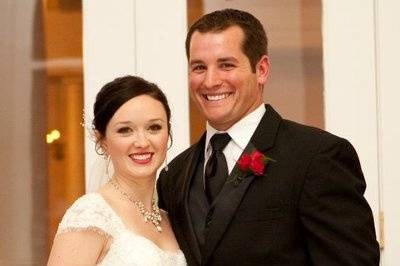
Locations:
{"points": [[255, 42], [117, 92]]}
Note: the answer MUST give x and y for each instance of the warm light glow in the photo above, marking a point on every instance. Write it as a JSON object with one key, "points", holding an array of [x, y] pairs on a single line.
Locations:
{"points": [[52, 136], [49, 139], [56, 134]]}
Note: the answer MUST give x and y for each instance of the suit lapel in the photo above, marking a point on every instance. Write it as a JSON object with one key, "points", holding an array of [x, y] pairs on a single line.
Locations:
{"points": [[187, 175], [231, 194]]}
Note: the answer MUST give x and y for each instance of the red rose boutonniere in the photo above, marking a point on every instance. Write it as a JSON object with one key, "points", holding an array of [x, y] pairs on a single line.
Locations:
{"points": [[253, 163]]}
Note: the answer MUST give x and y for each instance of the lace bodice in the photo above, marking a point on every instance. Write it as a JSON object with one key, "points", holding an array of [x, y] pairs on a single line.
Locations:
{"points": [[92, 212]]}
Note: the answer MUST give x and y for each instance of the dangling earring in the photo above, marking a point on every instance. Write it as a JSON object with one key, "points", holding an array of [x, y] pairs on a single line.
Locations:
{"points": [[108, 160], [166, 154], [166, 163]]}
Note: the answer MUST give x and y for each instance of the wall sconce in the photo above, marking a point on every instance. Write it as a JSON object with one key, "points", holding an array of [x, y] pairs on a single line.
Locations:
{"points": [[52, 136], [57, 147]]}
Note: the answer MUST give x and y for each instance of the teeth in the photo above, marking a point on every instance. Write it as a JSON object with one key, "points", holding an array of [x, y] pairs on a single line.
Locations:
{"points": [[141, 156], [217, 97]]}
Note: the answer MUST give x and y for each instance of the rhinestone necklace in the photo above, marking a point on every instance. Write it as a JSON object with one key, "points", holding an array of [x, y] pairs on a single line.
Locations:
{"points": [[153, 216]]}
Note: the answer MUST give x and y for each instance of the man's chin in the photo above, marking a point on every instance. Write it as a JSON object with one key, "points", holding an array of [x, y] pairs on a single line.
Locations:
{"points": [[220, 123]]}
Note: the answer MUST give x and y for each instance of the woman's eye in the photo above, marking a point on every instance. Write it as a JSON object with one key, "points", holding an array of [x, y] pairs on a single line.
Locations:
{"points": [[155, 127], [124, 130]]}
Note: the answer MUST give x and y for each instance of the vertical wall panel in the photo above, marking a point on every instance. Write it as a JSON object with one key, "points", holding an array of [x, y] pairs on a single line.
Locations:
{"points": [[350, 85], [108, 52], [143, 38], [388, 58], [160, 57]]}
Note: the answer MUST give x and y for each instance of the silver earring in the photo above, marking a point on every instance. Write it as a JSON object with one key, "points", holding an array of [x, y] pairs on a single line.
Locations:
{"points": [[166, 163], [108, 160]]}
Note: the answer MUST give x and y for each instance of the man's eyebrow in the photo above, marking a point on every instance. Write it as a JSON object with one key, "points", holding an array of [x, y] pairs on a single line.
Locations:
{"points": [[225, 59], [195, 61], [222, 59]]}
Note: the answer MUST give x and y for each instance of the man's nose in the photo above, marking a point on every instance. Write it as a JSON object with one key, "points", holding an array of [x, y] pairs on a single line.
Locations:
{"points": [[212, 78]]}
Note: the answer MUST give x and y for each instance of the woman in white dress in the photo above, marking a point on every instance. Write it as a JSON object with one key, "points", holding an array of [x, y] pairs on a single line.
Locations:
{"points": [[120, 224]]}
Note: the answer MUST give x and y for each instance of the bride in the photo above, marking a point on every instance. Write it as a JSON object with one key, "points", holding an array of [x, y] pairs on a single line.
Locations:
{"points": [[120, 224]]}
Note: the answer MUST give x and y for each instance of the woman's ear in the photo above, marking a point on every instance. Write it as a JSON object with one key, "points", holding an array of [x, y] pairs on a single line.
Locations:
{"points": [[98, 136], [101, 147]]}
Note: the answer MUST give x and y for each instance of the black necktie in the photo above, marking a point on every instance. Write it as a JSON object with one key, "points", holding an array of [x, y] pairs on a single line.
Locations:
{"points": [[216, 170]]}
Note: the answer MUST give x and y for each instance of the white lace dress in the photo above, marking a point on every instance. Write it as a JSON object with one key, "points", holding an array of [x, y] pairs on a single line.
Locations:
{"points": [[92, 212]]}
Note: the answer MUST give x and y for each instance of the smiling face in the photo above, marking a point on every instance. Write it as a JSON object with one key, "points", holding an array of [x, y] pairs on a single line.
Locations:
{"points": [[222, 83], [136, 138]]}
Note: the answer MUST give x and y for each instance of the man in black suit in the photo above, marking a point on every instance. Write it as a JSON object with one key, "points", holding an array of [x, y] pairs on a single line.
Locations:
{"points": [[270, 191]]}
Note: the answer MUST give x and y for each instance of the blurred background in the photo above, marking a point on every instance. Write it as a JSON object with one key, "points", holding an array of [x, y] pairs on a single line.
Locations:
{"points": [[42, 151]]}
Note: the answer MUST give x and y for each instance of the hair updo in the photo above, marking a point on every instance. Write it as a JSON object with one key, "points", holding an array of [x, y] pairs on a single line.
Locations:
{"points": [[117, 92]]}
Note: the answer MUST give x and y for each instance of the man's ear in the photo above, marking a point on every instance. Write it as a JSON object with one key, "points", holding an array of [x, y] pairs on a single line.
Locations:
{"points": [[262, 69]]}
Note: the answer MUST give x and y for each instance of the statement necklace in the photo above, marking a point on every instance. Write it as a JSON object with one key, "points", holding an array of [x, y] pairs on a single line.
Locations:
{"points": [[153, 216]]}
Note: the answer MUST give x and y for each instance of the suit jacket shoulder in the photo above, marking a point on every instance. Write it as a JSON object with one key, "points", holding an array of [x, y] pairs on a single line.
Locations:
{"points": [[171, 184], [303, 138]]}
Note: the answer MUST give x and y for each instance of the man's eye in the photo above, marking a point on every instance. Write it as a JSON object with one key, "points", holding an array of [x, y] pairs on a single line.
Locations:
{"points": [[155, 127], [227, 65], [124, 130], [198, 68]]}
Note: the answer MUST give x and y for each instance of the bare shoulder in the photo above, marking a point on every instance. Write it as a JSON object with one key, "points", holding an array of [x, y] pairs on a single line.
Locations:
{"points": [[83, 247]]}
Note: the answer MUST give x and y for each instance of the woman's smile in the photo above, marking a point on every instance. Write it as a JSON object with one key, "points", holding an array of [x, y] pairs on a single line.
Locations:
{"points": [[142, 157]]}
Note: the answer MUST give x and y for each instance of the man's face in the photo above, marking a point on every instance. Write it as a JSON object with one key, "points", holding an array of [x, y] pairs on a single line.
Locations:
{"points": [[221, 80]]}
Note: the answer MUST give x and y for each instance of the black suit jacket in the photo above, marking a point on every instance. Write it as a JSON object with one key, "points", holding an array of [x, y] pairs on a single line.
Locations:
{"points": [[308, 208]]}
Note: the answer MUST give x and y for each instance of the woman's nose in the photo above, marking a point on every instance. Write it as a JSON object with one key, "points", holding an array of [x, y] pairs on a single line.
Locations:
{"points": [[141, 140]]}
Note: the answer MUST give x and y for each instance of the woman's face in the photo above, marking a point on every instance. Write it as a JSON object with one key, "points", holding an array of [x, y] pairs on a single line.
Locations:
{"points": [[136, 137]]}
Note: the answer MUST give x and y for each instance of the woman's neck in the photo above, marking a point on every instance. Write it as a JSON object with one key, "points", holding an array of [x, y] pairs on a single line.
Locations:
{"points": [[140, 188]]}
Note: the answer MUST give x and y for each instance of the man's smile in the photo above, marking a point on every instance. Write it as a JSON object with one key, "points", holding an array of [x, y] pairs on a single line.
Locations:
{"points": [[217, 97]]}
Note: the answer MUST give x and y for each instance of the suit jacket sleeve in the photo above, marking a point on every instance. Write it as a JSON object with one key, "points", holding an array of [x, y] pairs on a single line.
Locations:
{"points": [[337, 220]]}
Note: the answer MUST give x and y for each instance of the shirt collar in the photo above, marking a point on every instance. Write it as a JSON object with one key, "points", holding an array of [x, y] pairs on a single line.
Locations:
{"points": [[242, 131]]}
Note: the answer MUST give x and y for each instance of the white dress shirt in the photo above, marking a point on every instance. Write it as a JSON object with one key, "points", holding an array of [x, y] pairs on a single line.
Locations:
{"points": [[241, 133]]}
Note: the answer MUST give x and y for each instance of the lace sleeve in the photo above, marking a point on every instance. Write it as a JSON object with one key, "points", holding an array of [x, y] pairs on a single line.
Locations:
{"points": [[87, 213]]}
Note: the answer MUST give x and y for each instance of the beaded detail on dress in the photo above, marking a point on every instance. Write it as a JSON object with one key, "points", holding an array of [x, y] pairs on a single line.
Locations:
{"points": [[92, 212]]}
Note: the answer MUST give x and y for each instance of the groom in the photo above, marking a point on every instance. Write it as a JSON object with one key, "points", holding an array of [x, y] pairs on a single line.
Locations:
{"points": [[258, 189]]}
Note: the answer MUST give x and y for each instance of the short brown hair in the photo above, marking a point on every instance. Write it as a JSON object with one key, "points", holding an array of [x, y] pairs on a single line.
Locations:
{"points": [[255, 42]]}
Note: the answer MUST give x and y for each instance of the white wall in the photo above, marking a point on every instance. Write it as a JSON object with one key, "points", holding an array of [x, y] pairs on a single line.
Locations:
{"points": [[350, 84], [361, 40], [388, 92], [142, 37]]}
